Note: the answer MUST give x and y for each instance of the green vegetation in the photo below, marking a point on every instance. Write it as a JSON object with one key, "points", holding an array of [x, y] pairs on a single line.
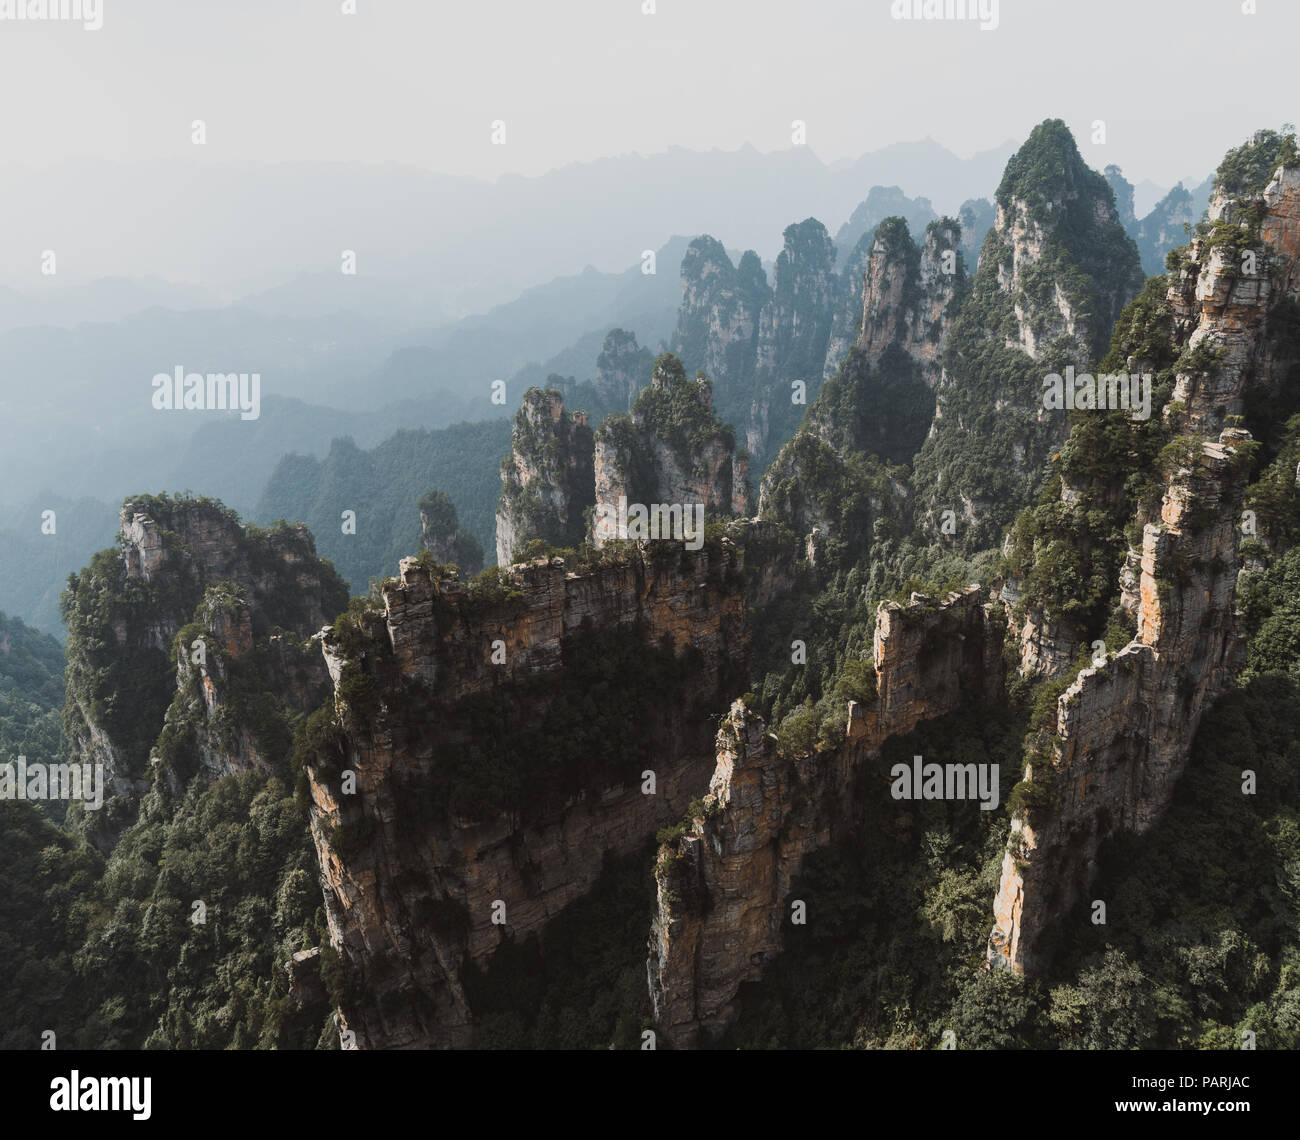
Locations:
{"points": [[898, 917], [148, 976], [103, 952], [585, 986], [384, 486], [559, 452], [1068, 555], [443, 533], [736, 294], [31, 693], [34, 565], [117, 677], [680, 412], [489, 757], [1246, 170], [992, 446], [1201, 941]]}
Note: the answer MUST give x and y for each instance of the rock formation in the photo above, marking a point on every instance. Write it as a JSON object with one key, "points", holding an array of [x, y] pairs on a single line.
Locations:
{"points": [[977, 217], [621, 369], [1165, 228], [546, 480], [794, 331], [220, 721], [1122, 188], [909, 294], [722, 887], [470, 788], [442, 535], [752, 341], [187, 566], [717, 321], [1121, 735], [671, 449], [854, 241], [881, 402], [1054, 275]]}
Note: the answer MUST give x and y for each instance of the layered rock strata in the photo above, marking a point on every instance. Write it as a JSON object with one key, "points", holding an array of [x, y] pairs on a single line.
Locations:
{"points": [[1123, 730], [671, 450], [723, 888], [547, 483], [414, 887], [125, 611]]}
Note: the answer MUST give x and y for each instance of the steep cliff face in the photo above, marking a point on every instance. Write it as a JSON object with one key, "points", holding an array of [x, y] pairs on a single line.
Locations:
{"points": [[124, 613], [500, 744], [547, 481], [847, 319], [671, 449], [621, 368], [443, 537], [754, 342], [234, 692], [717, 322], [977, 216], [909, 294], [1230, 294], [1198, 335], [1054, 275], [1164, 228], [880, 404], [1110, 757], [793, 334], [723, 887], [1123, 729], [855, 241]]}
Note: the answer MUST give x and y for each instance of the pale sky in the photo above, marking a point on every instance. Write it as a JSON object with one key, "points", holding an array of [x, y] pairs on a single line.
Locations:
{"points": [[419, 82]]}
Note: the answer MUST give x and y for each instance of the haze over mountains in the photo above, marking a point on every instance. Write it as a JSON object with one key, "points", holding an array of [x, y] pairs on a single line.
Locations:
{"points": [[455, 288], [432, 247]]}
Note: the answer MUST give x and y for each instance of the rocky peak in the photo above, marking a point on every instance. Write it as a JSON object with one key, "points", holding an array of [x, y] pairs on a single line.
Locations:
{"points": [[722, 888], [1054, 276], [1122, 188], [1241, 263], [1110, 758], [879, 405], [880, 203], [908, 293], [977, 216], [621, 368], [189, 543], [1054, 212], [443, 537], [793, 332], [671, 449], [546, 480], [156, 621], [448, 703], [717, 322]]}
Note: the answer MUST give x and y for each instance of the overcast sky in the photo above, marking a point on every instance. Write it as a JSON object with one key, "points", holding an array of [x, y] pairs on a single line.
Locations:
{"points": [[1177, 82]]}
